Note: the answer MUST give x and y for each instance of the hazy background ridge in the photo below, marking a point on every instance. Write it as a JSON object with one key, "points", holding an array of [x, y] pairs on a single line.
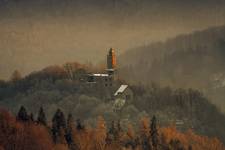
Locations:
{"points": [[188, 61], [38, 33]]}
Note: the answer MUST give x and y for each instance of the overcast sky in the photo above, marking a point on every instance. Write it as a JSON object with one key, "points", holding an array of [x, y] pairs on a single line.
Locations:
{"points": [[38, 33]]}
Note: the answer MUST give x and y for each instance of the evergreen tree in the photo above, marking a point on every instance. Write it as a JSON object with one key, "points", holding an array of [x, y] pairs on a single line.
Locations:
{"points": [[119, 128], [119, 131], [22, 114], [79, 125], [112, 132], [31, 117], [154, 133], [146, 143], [58, 125], [41, 119], [59, 119], [145, 135], [54, 133], [69, 131], [112, 129], [70, 122]]}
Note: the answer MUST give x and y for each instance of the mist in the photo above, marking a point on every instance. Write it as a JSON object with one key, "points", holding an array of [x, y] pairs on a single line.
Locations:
{"points": [[35, 34]]}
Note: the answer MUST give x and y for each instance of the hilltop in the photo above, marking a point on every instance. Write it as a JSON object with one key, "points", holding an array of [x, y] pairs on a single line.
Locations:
{"points": [[54, 88], [194, 60]]}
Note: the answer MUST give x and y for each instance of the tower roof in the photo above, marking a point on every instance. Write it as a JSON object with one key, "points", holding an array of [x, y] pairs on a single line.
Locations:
{"points": [[111, 50], [111, 59]]}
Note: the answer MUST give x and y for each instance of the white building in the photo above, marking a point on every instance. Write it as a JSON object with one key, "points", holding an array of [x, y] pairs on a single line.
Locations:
{"points": [[124, 92]]}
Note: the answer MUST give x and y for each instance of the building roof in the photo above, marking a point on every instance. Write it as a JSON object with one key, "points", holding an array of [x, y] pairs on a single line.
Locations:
{"points": [[98, 75], [121, 89], [110, 69]]}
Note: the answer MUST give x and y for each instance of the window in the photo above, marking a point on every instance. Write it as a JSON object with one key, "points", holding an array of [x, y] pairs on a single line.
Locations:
{"points": [[91, 79], [106, 85]]}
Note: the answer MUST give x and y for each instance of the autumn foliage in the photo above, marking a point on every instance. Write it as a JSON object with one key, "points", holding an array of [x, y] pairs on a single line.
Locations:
{"points": [[17, 134], [190, 139]]}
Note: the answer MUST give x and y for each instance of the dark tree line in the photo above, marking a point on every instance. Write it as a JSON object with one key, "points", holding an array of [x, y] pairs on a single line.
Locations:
{"points": [[60, 129], [63, 130]]}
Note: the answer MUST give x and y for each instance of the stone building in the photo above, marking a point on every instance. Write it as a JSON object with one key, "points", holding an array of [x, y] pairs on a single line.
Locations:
{"points": [[106, 81]]}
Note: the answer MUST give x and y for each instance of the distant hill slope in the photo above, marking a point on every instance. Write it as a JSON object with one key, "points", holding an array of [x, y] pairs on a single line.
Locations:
{"points": [[195, 60], [54, 87]]}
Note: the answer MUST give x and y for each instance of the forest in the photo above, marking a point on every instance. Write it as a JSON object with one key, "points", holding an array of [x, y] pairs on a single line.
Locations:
{"points": [[62, 89], [64, 133], [194, 60], [112, 75]]}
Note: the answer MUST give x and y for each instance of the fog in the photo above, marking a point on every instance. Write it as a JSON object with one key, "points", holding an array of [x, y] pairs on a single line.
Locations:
{"points": [[35, 34]]}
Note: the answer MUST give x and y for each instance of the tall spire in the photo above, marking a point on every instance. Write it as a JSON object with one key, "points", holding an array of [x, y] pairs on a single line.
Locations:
{"points": [[111, 61]]}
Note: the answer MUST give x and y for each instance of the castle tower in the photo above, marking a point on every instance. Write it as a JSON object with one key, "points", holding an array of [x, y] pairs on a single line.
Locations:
{"points": [[111, 61]]}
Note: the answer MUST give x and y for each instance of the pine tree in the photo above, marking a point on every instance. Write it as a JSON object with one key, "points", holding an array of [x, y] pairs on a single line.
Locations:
{"points": [[79, 125], [58, 125], [54, 133], [112, 132], [31, 117], [22, 114], [41, 119], [119, 130], [69, 131], [115, 132], [145, 134], [59, 119], [70, 122], [145, 143], [154, 133]]}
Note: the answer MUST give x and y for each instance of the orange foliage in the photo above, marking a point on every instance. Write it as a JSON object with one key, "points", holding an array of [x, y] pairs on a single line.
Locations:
{"points": [[83, 139], [60, 147], [189, 138], [55, 70], [18, 136], [100, 135], [72, 66], [15, 135], [130, 132], [145, 130]]}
